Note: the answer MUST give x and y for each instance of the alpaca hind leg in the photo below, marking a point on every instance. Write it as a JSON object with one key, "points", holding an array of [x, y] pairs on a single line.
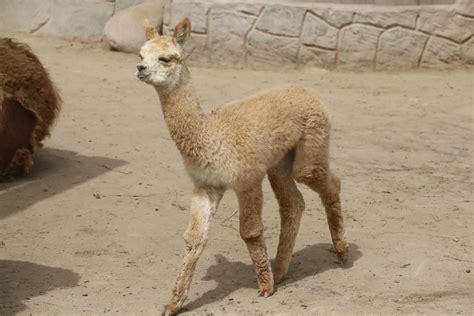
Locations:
{"points": [[16, 129], [203, 203], [312, 168], [22, 162], [291, 205], [251, 231], [330, 196]]}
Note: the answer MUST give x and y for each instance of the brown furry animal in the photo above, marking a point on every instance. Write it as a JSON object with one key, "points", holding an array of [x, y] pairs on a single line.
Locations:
{"points": [[283, 132], [29, 104]]}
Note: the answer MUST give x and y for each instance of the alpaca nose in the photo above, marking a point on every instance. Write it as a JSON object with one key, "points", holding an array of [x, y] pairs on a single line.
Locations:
{"points": [[140, 67]]}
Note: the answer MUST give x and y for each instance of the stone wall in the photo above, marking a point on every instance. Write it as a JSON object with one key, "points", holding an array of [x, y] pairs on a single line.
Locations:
{"points": [[268, 35], [326, 35]]}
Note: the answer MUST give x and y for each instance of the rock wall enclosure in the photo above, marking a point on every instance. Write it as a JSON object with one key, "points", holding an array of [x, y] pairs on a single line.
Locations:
{"points": [[327, 35], [269, 35]]}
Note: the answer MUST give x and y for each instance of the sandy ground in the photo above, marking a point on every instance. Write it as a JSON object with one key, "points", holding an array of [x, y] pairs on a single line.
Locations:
{"points": [[97, 227]]}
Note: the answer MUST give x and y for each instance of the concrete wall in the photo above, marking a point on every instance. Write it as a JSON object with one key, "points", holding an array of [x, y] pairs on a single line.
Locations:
{"points": [[286, 35]]}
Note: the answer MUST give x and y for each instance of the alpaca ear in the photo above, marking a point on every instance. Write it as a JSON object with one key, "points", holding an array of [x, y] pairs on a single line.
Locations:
{"points": [[150, 30], [182, 31]]}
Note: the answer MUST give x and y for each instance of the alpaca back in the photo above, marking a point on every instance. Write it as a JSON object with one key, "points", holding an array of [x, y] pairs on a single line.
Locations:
{"points": [[29, 104], [24, 79]]}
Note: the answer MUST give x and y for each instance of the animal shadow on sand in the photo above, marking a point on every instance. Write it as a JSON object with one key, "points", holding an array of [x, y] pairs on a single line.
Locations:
{"points": [[20, 280], [233, 275], [55, 171]]}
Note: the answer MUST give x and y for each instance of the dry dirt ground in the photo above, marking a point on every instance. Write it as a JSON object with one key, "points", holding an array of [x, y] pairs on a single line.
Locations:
{"points": [[97, 227]]}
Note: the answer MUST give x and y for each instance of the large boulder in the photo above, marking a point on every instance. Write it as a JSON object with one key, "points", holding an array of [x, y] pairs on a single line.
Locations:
{"points": [[124, 31], [75, 19], [123, 4]]}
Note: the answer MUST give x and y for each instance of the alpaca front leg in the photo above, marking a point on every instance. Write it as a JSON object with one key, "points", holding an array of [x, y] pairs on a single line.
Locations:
{"points": [[203, 203], [251, 231]]}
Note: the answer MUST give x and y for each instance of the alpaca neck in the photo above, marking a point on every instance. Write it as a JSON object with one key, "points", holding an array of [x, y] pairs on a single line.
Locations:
{"points": [[185, 119]]}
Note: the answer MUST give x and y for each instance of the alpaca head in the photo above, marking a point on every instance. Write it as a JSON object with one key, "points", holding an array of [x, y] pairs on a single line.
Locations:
{"points": [[162, 57]]}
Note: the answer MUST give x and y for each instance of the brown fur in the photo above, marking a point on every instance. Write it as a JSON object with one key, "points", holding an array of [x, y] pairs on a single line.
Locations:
{"points": [[283, 132], [29, 105]]}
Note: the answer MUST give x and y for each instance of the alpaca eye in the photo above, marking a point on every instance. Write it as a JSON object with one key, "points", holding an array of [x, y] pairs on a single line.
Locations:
{"points": [[140, 56], [164, 60]]}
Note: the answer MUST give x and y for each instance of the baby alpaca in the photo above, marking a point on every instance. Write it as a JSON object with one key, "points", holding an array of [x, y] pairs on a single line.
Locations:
{"points": [[283, 133], [29, 104]]}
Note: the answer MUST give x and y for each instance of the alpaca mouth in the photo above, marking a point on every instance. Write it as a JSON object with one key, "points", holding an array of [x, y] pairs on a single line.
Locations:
{"points": [[143, 76]]}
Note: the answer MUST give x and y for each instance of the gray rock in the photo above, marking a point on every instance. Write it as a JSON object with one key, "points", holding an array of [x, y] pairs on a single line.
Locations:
{"points": [[317, 32], [400, 49], [195, 11], [244, 8], [167, 13], [196, 51], [447, 24], [358, 44], [467, 51], [266, 50], [337, 18], [441, 52], [24, 15], [227, 37], [78, 19], [124, 31], [386, 19], [281, 20], [465, 7], [313, 56], [123, 4]]}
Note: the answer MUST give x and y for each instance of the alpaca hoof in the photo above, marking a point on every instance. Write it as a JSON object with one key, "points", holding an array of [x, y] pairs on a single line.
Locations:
{"points": [[168, 310], [278, 278], [278, 275], [342, 257], [342, 250], [265, 292]]}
